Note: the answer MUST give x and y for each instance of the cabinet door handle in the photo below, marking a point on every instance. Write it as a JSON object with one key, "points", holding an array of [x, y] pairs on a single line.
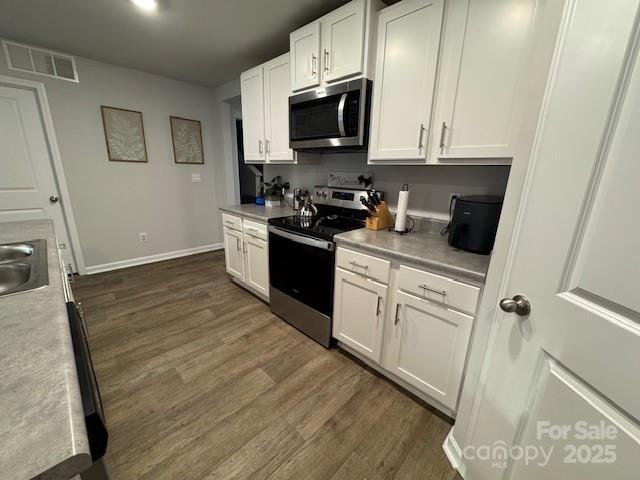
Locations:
{"points": [[267, 146], [442, 131], [378, 306], [357, 265], [260, 147], [237, 244], [397, 318], [314, 65], [420, 135], [326, 61], [433, 290]]}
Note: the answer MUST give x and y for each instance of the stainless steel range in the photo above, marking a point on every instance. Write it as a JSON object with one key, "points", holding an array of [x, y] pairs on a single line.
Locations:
{"points": [[302, 257]]}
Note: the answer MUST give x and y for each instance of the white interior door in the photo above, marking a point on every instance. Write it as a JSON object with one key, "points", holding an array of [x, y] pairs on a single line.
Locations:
{"points": [[343, 41], [407, 53], [576, 357], [252, 99], [28, 188], [276, 101]]}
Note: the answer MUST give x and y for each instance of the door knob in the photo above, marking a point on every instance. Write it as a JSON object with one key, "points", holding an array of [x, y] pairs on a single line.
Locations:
{"points": [[519, 305], [53, 198]]}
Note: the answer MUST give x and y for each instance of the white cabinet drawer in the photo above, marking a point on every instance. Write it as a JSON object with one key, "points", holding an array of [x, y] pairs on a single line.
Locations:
{"points": [[363, 264], [234, 223], [440, 289], [255, 229]]}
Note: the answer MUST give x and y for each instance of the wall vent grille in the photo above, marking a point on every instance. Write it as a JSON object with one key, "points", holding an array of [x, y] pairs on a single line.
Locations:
{"points": [[25, 58]]}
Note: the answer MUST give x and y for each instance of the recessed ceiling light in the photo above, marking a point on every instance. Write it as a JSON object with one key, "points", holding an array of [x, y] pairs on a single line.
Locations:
{"points": [[147, 5]]}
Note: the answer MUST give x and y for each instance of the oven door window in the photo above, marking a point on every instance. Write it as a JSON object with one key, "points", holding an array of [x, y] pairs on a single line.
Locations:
{"points": [[302, 272], [333, 116]]}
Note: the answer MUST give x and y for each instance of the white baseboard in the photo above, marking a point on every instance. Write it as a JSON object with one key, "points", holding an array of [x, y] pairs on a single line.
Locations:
{"points": [[453, 453], [132, 262]]}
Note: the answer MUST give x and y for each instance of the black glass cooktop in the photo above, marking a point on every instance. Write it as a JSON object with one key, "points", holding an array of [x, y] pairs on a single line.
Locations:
{"points": [[324, 227]]}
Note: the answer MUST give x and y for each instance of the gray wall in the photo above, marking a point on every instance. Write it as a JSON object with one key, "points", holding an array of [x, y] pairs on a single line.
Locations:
{"points": [[430, 185], [114, 201]]}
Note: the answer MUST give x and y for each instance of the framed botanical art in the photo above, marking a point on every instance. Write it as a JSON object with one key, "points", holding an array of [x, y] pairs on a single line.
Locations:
{"points": [[124, 133], [187, 140]]}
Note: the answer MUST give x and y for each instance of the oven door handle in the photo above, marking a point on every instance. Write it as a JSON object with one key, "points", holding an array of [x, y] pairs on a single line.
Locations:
{"points": [[294, 237], [343, 100]]}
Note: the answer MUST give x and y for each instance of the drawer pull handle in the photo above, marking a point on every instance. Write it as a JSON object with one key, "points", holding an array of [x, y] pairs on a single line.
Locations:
{"points": [[357, 265], [397, 318], [378, 306], [433, 290]]}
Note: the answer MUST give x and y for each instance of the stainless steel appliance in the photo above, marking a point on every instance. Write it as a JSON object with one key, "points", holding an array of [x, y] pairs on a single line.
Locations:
{"points": [[302, 258], [91, 401], [333, 119]]}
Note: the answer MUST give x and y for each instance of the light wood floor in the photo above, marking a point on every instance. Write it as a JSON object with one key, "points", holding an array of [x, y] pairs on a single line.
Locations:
{"points": [[201, 381]]}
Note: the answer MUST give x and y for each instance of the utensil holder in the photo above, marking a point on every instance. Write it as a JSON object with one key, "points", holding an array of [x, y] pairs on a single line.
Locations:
{"points": [[381, 219]]}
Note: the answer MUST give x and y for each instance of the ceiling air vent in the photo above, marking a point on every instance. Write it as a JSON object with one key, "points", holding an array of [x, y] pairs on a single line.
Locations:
{"points": [[26, 58]]}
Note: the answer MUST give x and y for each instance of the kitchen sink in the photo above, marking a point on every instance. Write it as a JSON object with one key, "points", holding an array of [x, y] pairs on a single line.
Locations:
{"points": [[13, 275], [13, 252], [23, 266]]}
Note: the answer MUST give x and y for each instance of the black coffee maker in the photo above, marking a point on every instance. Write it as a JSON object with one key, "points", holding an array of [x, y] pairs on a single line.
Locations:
{"points": [[474, 223]]}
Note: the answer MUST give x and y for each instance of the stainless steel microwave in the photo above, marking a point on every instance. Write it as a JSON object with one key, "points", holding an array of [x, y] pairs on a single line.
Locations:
{"points": [[335, 118]]}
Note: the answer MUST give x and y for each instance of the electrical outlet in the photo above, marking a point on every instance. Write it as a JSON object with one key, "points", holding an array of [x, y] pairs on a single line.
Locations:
{"points": [[195, 178], [142, 237]]}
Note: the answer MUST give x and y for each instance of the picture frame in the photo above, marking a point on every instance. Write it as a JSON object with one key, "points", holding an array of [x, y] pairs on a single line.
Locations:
{"points": [[186, 137], [124, 135]]}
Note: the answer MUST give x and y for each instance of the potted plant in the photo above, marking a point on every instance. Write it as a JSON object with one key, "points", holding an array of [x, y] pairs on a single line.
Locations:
{"points": [[274, 191]]}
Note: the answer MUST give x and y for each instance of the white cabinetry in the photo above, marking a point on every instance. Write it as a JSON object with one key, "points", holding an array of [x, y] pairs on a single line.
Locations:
{"points": [[492, 56], [413, 325], [486, 55], [342, 38], [406, 64], [256, 257], [427, 347], [304, 46], [252, 98], [265, 112], [246, 252], [358, 312], [233, 253], [334, 47]]}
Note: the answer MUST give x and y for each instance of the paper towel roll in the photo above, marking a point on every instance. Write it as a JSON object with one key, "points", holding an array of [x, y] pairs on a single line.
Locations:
{"points": [[401, 214]]}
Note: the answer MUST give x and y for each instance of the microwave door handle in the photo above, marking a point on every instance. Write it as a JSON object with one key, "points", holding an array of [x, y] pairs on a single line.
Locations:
{"points": [[343, 100]]}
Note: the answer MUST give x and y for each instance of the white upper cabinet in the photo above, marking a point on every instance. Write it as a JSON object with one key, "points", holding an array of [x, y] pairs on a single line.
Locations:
{"points": [[252, 98], [342, 37], [305, 56], [485, 65], [276, 101], [406, 65], [265, 112], [334, 47]]}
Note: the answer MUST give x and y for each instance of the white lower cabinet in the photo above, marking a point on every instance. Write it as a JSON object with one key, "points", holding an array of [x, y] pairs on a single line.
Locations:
{"points": [[257, 264], [246, 253], [358, 313], [427, 347], [415, 328], [233, 253]]}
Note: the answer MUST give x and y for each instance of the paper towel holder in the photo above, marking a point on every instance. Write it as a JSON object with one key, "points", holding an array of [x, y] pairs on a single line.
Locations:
{"points": [[405, 188]]}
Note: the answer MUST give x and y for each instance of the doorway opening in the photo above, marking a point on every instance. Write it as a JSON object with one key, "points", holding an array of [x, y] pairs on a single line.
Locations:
{"points": [[249, 176]]}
